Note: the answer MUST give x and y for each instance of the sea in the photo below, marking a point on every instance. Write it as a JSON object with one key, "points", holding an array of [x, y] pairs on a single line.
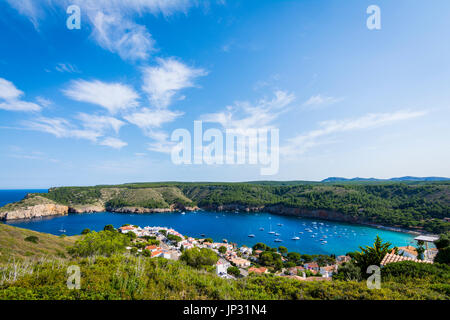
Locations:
{"points": [[303, 235]]}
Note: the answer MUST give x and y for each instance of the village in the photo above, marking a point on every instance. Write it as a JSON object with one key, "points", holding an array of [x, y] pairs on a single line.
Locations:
{"points": [[241, 261]]}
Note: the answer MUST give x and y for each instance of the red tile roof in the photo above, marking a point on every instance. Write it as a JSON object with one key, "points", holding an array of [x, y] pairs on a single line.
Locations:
{"points": [[257, 270], [390, 258]]}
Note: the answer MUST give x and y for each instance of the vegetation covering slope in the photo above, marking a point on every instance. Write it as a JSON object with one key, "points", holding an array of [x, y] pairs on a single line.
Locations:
{"points": [[108, 273]]}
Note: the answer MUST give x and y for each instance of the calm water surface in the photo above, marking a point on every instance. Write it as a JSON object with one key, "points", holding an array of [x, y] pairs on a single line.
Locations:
{"points": [[235, 227]]}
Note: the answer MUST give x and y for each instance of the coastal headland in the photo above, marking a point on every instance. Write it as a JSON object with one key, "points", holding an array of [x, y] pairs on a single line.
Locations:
{"points": [[414, 206]]}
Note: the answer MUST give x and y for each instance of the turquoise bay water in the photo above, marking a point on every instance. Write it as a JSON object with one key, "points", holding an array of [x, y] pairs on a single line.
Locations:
{"points": [[235, 227]]}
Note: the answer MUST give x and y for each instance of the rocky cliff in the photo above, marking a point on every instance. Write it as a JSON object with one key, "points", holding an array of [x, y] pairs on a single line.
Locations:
{"points": [[36, 211]]}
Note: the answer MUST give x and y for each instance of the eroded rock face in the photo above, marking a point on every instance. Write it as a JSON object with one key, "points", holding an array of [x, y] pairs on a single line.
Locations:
{"points": [[87, 209], [40, 210]]}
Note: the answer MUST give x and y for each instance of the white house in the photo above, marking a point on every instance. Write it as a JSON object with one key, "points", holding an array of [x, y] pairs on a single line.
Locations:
{"points": [[222, 267], [246, 250]]}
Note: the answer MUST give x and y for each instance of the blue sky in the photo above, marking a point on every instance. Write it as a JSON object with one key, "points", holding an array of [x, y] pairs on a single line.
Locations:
{"points": [[98, 105]]}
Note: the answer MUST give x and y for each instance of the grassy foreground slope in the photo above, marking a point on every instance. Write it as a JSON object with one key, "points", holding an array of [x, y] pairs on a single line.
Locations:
{"points": [[125, 276], [13, 245]]}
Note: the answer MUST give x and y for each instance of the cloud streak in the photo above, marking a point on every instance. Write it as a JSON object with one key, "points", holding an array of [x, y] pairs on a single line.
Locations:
{"points": [[10, 98], [163, 81], [114, 97], [301, 143], [244, 115], [321, 100], [112, 21]]}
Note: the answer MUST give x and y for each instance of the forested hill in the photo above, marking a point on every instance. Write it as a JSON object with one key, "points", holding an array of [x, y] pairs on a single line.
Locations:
{"points": [[416, 205]]}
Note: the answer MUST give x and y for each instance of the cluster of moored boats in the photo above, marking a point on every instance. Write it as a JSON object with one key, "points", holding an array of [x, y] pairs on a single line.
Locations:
{"points": [[319, 231]]}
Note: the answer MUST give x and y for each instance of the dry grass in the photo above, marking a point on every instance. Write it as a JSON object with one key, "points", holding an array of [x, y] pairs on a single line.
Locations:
{"points": [[14, 247]]}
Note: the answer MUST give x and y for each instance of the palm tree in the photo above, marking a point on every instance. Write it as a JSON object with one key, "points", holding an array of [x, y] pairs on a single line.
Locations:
{"points": [[373, 255]]}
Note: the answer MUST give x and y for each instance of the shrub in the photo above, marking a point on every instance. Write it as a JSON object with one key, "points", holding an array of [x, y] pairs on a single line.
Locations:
{"points": [[109, 227], [131, 235], [415, 270], [100, 243], [173, 238], [32, 239], [348, 272], [197, 257], [234, 271], [86, 231]]}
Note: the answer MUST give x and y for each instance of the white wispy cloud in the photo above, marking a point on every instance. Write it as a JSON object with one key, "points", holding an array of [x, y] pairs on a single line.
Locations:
{"points": [[44, 101], [321, 100], [8, 90], [113, 143], [301, 143], [244, 115], [61, 128], [100, 123], [112, 21], [161, 142], [149, 119], [16, 105], [163, 81], [93, 128], [112, 96], [32, 9], [10, 98], [66, 67], [122, 36]]}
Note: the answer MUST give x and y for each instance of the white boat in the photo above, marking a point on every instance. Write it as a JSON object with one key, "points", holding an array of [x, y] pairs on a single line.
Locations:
{"points": [[251, 235], [271, 232], [277, 234], [183, 212], [278, 240], [261, 229], [280, 224], [62, 230], [295, 238]]}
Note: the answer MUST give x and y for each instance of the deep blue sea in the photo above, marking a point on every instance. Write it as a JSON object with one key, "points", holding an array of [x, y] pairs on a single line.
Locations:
{"points": [[235, 227]]}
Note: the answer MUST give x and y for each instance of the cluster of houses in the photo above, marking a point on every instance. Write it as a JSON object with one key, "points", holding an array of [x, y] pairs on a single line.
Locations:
{"points": [[246, 258], [240, 257]]}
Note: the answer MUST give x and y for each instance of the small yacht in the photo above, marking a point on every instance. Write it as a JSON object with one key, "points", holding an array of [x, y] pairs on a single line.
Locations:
{"points": [[261, 229], [278, 240], [183, 213], [295, 238], [277, 234], [280, 224], [62, 230], [271, 232], [251, 235]]}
